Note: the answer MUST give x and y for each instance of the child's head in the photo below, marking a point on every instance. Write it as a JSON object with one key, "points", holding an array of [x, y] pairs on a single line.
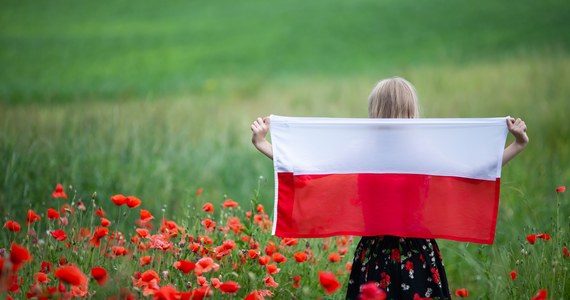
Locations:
{"points": [[393, 98]]}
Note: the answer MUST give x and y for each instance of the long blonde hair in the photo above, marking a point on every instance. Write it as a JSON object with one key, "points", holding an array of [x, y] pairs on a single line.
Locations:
{"points": [[393, 98]]}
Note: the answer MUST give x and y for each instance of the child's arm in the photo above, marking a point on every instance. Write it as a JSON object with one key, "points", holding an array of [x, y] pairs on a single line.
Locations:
{"points": [[518, 129], [259, 128]]}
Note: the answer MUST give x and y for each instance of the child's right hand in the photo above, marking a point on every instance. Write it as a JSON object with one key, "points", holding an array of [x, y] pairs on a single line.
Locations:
{"points": [[259, 129], [518, 129]]}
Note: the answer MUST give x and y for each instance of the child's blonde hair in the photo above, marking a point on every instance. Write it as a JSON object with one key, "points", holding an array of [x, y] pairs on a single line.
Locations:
{"points": [[393, 98]]}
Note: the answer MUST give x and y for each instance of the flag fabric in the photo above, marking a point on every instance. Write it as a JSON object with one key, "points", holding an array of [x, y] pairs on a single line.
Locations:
{"points": [[424, 178]]}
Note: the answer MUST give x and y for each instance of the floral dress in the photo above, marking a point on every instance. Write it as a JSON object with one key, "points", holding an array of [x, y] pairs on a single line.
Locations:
{"points": [[406, 268]]}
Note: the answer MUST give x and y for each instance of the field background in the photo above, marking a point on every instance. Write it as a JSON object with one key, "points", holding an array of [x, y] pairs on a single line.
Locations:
{"points": [[156, 100]]}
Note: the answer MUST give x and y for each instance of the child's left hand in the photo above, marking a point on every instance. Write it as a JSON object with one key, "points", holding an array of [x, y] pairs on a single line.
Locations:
{"points": [[518, 129]]}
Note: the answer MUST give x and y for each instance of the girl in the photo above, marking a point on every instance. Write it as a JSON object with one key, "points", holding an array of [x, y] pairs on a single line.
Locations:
{"points": [[406, 268]]}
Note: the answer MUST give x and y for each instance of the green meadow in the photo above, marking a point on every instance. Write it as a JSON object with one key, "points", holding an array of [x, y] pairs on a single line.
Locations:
{"points": [[155, 100]]}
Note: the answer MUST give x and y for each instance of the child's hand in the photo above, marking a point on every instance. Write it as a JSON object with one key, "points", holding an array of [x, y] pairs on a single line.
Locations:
{"points": [[518, 129], [259, 127]]}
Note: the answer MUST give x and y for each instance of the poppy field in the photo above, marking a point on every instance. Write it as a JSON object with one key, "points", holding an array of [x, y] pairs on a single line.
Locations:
{"points": [[126, 164]]}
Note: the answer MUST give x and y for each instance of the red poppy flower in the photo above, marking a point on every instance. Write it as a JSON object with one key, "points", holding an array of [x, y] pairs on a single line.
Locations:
{"points": [[46, 267], [119, 199], [565, 252], [167, 292], [531, 238], [541, 295], [209, 225], [348, 266], [133, 202], [41, 277], [105, 222], [334, 257], [59, 193], [544, 236], [513, 275], [289, 241], [296, 281], [271, 248], [329, 282], [142, 232], [146, 215], [270, 282], [230, 203], [208, 207], [278, 257], [32, 217], [100, 212], [260, 208], [561, 189], [145, 260], [252, 253], [204, 265], [272, 269], [462, 292], [59, 235], [263, 260], [184, 266], [12, 226], [52, 214], [229, 287], [98, 234], [119, 250], [18, 256], [70, 274], [199, 191], [100, 275], [216, 282], [371, 291]]}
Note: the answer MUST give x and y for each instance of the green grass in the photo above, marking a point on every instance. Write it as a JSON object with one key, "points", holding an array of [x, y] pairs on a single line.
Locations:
{"points": [[70, 51], [156, 101]]}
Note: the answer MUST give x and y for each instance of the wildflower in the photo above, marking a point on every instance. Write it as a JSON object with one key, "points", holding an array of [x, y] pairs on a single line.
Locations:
{"points": [[272, 269], [59, 235], [204, 265], [145, 260], [531, 238], [100, 275], [208, 207], [52, 214], [260, 208], [32, 217], [300, 256], [81, 206], [199, 191], [278, 257], [119, 251], [541, 295], [230, 203], [544, 236], [513, 275], [252, 253], [98, 234], [289, 241], [348, 266], [216, 282], [209, 225], [41, 277], [46, 267], [235, 224], [59, 193], [100, 212], [565, 252], [334, 257], [561, 189], [70, 274], [270, 282], [105, 222], [167, 292], [119, 199], [184, 266], [146, 215], [371, 291], [263, 260], [229, 287], [270, 248], [18, 256], [462, 292], [296, 281], [12, 226], [329, 282], [133, 202]]}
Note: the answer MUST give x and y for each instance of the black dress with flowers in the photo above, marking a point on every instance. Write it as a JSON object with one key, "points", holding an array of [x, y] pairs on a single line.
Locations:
{"points": [[406, 268]]}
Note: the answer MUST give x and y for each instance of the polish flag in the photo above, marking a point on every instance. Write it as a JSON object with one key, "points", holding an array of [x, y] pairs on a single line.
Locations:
{"points": [[423, 178]]}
